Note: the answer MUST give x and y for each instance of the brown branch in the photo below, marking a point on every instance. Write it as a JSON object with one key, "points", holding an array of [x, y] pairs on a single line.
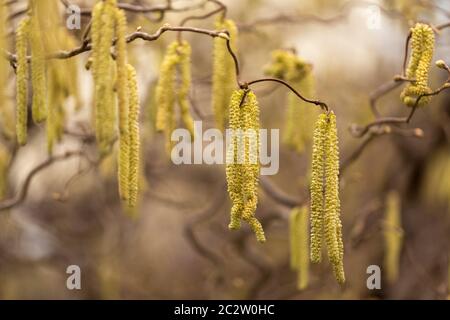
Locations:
{"points": [[22, 193], [321, 104]]}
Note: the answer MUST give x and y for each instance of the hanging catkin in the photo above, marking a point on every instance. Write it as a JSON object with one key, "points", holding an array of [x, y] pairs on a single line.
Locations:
{"points": [[325, 203], [332, 221], [122, 93], [177, 56], [393, 236], [299, 118], [224, 75], [298, 230], [317, 187], [102, 33], [22, 33], [38, 68], [133, 132], [5, 158], [184, 50], [243, 161], [422, 45]]}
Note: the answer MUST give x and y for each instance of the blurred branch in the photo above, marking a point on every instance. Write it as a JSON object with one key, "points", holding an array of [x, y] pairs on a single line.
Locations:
{"points": [[22, 193]]}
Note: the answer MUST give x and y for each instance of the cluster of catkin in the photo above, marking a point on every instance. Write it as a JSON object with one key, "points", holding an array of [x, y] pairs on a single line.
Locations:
{"points": [[38, 33], [422, 45], [298, 232], [224, 75], [108, 24], [300, 117], [393, 236], [243, 161], [325, 203], [177, 61]]}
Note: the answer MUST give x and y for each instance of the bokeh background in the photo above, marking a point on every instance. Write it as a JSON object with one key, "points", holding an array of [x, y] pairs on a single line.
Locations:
{"points": [[179, 246]]}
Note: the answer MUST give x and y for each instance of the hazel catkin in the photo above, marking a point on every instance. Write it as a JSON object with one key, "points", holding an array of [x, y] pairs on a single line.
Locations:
{"points": [[393, 236], [177, 56], [38, 66], [243, 161], [22, 33], [224, 75], [422, 45], [134, 142], [298, 231], [325, 203]]}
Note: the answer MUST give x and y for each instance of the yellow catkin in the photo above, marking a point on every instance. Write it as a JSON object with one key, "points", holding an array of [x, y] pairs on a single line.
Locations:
{"points": [[298, 225], [299, 118], [38, 66], [134, 143], [393, 236], [5, 158], [122, 93], [22, 80], [243, 161], [332, 221], [165, 93], [177, 58], [55, 116], [317, 187], [184, 50], [224, 75], [6, 106], [102, 33], [422, 45]]}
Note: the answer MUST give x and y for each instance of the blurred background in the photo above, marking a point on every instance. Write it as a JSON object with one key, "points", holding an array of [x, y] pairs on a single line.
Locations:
{"points": [[178, 246]]}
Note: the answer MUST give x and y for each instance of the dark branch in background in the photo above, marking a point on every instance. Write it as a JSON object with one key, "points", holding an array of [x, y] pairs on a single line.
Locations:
{"points": [[22, 193]]}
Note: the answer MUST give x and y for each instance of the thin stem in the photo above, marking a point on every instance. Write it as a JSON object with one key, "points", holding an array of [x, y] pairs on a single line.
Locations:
{"points": [[321, 104]]}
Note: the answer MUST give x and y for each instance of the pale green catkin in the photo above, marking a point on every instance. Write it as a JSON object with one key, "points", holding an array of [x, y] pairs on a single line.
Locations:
{"points": [[22, 33], [243, 161], [38, 67], [317, 187], [224, 75], [422, 45], [5, 158], [134, 143], [393, 236], [298, 225]]}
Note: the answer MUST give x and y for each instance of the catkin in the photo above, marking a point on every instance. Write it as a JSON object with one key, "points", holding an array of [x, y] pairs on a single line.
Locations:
{"points": [[393, 236], [5, 158], [22, 34], [102, 33], [134, 143], [332, 221], [184, 50], [38, 68], [243, 161], [298, 225], [122, 94], [325, 203], [224, 75], [177, 56], [422, 45], [299, 118], [317, 187]]}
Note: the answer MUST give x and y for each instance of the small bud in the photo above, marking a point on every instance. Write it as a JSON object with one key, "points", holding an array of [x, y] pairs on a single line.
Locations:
{"points": [[441, 64], [419, 133]]}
